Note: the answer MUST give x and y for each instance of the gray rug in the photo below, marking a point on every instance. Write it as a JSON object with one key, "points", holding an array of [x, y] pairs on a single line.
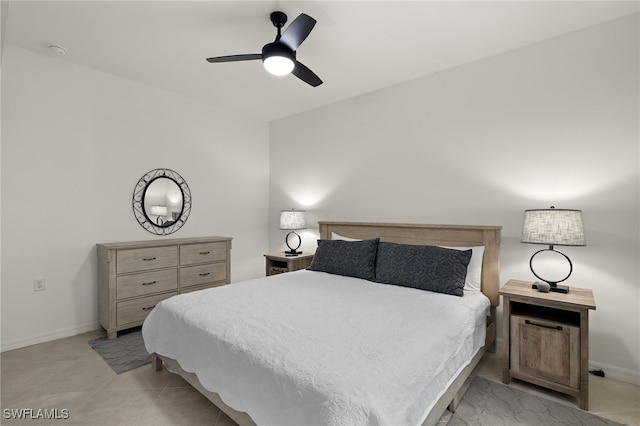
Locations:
{"points": [[494, 404], [125, 353]]}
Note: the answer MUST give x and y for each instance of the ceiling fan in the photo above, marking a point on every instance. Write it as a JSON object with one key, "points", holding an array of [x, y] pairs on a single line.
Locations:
{"points": [[279, 57]]}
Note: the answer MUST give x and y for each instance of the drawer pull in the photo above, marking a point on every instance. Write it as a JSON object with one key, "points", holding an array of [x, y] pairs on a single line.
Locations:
{"points": [[149, 283], [205, 252], [148, 308], [146, 259], [205, 274], [554, 327]]}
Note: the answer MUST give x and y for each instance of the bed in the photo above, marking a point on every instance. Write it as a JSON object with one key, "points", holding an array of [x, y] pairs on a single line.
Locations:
{"points": [[311, 347]]}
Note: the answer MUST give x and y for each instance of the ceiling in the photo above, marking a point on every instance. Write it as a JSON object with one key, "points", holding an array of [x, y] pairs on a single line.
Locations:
{"points": [[356, 47]]}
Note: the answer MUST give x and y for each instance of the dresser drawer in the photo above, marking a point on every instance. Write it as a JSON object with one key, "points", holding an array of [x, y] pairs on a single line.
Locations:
{"points": [[136, 310], [191, 254], [145, 283], [203, 274], [144, 259]]}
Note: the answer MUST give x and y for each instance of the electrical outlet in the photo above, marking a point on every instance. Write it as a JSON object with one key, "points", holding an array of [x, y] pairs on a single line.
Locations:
{"points": [[38, 284]]}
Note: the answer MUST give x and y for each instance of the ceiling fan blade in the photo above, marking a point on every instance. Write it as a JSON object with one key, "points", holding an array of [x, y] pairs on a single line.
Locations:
{"points": [[306, 75], [297, 31], [235, 58]]}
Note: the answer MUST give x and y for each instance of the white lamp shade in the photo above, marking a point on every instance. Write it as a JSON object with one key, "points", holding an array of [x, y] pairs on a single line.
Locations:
{"points": [[293, 219], [159, 210], [554, 227]]}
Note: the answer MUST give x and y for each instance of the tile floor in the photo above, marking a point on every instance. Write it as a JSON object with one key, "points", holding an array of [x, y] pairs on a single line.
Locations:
{"points": [[67, 374]]}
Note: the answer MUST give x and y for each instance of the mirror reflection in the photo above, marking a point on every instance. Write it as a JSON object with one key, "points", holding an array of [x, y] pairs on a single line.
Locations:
{"points": [[163, 201]]}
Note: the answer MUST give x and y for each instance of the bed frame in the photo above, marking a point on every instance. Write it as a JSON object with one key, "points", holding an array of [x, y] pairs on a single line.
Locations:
{"points": [[443, 235]]}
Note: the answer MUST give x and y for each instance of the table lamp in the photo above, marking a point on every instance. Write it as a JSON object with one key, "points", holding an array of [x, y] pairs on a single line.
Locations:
{"points": [[159, 211], [553, 227], [293, 220]]}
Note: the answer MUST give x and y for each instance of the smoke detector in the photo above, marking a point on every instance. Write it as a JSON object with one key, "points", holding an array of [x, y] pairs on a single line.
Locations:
{"points": [[59, 50]]}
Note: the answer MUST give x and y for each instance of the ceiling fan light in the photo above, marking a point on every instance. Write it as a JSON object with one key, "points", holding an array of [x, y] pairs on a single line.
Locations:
{"points": [[278, 59], [278, 65]]}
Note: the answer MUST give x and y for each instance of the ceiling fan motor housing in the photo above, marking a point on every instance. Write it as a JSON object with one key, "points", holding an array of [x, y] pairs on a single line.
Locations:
{"points": [[277, 49]]}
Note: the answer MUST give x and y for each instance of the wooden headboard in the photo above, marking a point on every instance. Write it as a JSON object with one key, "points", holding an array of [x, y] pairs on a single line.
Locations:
{"points": [[440, 235]]}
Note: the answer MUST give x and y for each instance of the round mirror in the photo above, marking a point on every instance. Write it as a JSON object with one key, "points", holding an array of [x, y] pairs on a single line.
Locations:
{"points": [[161, 201]]}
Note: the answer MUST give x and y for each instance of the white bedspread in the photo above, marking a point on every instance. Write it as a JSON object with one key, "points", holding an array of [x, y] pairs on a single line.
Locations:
{"points": [[310, 348]]}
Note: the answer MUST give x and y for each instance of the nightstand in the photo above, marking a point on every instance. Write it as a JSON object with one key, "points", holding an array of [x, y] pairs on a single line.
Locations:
{"points": [[278, 263], [546, 338]]}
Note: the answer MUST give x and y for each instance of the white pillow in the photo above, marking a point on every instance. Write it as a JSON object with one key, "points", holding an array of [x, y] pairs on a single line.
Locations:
{"points": [[474, 269], [335, 236]]}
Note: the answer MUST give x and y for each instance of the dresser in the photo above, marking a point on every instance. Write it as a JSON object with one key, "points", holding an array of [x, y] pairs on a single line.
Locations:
{"points": [[134, 276]]}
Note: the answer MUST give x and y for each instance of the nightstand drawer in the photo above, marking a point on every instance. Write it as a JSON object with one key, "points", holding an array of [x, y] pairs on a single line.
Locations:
{"points": [[203, 274], [192, 254], [145, 283], [144, 259], [545, 349], [136, 310]]}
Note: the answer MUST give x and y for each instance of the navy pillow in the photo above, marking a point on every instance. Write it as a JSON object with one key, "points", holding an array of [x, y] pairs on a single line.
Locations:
{"points": [[350, 258], [430, 268]]}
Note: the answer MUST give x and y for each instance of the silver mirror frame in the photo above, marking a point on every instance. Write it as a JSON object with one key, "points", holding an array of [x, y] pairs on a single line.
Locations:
{"points": [[140, 190]]}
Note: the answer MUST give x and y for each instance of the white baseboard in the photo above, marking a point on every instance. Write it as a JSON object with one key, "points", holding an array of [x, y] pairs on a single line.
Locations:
{"points": [[46, 337], [616, 373]]}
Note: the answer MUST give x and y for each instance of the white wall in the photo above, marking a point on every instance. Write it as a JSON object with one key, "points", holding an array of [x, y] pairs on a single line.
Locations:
{"points": [[555, 123], [74, 144]]}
